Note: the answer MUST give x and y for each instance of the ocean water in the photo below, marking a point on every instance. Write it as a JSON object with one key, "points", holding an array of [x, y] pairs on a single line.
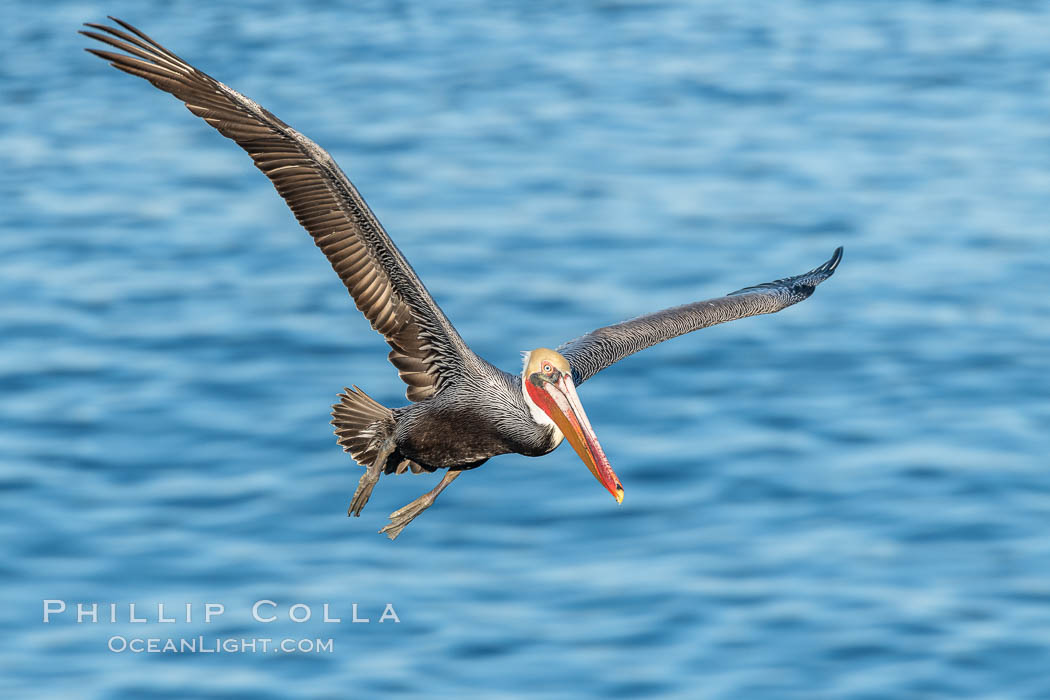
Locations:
{"points": [[848, 499]]}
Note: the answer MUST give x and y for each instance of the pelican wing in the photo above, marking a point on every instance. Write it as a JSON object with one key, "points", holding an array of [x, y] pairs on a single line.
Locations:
{"points": [[593, 352], [427, 350]]}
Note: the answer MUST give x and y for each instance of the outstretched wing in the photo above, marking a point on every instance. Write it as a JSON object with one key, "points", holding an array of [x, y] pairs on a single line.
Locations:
{"points": [[427, 350], [591, 353]]}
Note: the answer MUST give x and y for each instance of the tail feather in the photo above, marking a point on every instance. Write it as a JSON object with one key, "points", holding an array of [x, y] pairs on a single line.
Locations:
{"points": [[361, 425]]}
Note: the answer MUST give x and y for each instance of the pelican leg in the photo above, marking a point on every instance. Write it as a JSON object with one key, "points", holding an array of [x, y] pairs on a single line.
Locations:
{"points": [[369, 479], [403, 516]]}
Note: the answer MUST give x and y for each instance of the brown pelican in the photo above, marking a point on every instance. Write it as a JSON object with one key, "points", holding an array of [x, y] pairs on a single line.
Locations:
{"points": [[463, 410]]}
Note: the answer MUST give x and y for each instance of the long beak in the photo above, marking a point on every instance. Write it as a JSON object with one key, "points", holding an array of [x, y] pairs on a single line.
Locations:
{"points": [[568, 414]]}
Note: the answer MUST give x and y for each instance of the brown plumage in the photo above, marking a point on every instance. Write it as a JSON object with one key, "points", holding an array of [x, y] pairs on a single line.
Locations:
{"points": [[383, 285]]}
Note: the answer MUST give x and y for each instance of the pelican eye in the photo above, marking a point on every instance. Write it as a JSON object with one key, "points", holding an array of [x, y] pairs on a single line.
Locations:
{"points": [[547, 369]]}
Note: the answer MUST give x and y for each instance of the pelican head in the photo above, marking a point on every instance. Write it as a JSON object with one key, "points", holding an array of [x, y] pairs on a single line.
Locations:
{"points": [[551, 395]]}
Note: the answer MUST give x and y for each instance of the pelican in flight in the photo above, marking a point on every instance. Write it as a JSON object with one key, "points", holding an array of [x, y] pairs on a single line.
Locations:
{"points": [[463, 410]]}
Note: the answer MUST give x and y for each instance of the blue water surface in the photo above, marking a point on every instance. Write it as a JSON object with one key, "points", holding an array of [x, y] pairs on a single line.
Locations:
{"points": [[849, 499]]}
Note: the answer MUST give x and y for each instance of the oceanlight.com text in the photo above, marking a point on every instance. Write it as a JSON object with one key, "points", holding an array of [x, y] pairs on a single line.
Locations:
{"points": [[218, 645]]}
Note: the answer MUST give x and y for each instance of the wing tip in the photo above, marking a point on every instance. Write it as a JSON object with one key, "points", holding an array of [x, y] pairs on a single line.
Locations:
{"points": [[819, 274], [808, 280], [105, 27], [830, 265]]}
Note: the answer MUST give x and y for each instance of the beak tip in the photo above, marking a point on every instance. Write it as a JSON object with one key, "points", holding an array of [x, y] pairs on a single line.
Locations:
{"points": [[618, 494]]}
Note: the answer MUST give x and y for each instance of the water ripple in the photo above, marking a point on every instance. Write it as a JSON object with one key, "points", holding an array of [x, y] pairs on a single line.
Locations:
{"points": [[844, 500]]}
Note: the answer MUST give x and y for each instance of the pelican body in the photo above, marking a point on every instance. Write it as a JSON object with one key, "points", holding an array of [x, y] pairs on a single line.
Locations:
{"points": [[463, 410]]}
